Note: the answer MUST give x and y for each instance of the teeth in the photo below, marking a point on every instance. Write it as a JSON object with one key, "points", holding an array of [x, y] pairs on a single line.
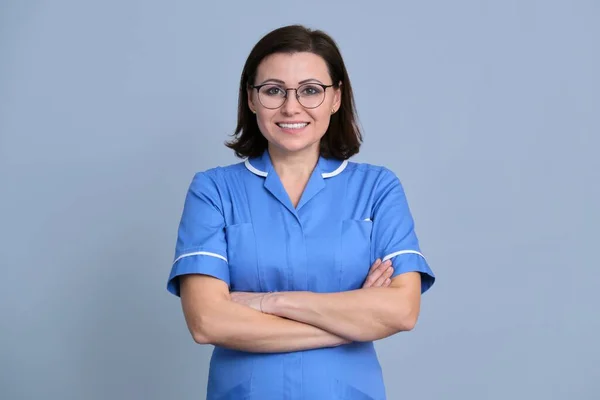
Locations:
{"points": [[293, 126]]}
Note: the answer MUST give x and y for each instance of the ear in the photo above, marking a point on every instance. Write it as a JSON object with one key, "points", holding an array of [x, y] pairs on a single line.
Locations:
{"points": [[337, 97], [251, 104]]}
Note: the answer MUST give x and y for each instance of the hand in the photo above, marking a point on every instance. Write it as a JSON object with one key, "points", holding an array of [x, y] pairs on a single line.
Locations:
{"points": [[379, 274], [250, 299]]}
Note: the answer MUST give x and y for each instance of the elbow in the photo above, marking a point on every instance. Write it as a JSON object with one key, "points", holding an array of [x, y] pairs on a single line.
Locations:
{"points": [[204, 323], [407, 324], [406, 321], [200, 336], [201, 330]]}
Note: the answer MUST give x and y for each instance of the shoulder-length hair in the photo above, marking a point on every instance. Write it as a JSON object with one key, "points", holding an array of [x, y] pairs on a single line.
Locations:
{"points": [[343, 137]]}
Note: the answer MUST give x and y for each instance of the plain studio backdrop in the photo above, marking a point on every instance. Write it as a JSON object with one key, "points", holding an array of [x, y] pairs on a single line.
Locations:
{"points": [[488, 111]]}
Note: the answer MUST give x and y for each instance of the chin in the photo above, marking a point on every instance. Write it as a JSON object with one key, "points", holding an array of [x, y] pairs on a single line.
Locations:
{"points": [[289, 146], [292, 144]]}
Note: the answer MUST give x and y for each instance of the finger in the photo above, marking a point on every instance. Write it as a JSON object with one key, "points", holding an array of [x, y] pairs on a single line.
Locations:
{"points": [[387, 283], [385, 276], [376, 264], [376, 274], [373, 277], [373, 270], [385, 264]]}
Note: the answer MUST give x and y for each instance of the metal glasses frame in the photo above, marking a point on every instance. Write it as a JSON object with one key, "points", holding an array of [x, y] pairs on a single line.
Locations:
{"points": [[258, 87]]}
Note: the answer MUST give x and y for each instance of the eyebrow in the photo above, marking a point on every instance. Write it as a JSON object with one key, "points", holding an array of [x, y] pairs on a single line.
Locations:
{"points": [[283, 83]]}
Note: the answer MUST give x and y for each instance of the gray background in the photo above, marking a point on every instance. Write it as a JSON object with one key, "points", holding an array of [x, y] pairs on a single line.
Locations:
{"points": [[488, 112]]}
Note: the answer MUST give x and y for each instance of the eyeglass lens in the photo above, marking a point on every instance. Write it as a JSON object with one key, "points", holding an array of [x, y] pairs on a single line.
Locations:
{"points": [[308, 95]]}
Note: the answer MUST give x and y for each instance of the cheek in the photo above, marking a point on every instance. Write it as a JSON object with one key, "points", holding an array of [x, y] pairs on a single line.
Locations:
{"points": [[322, 117], [264, 120], [262, 128]]}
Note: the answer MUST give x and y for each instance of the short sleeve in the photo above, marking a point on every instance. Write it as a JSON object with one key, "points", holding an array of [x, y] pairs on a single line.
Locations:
{"points": [[201, 247], [393, 234]]}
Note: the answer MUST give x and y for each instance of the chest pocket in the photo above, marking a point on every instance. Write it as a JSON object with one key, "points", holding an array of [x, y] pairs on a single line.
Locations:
{"points": [[356, 252], [241, 255]]}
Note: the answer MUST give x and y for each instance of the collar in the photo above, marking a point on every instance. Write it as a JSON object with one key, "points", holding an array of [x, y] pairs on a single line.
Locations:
{"points": [[327, 167]]}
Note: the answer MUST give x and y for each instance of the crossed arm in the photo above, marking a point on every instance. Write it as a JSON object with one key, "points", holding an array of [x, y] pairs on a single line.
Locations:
{"points": [[292, 321], [359, 315]]}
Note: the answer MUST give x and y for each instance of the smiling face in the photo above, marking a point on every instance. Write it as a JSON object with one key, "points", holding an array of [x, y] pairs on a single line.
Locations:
{"points": [[293, 128]]}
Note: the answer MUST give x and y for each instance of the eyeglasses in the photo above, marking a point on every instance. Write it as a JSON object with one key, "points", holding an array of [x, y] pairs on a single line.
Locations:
{"points": [[309, 95]]}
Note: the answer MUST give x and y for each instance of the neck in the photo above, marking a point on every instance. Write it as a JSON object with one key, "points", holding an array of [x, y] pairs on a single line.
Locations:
{"points": [[295, 165]]}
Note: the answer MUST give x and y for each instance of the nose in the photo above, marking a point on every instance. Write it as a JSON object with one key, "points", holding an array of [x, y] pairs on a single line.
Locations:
{"points": [[291, 105]]}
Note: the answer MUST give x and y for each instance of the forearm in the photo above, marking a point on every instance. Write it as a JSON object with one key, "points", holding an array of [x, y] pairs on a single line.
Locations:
{"points": [[359, 315], [238, 327]]}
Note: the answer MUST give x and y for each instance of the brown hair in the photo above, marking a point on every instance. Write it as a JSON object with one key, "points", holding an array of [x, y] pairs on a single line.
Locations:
{"points": [[343, 137]]}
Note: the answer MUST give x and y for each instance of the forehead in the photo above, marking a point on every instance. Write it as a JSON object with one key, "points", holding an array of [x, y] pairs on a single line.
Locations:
{"points": [[293, 67]]}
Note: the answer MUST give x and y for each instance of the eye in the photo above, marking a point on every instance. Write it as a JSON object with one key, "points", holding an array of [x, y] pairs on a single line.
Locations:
{"points": [[311, 90], [272, 90]]}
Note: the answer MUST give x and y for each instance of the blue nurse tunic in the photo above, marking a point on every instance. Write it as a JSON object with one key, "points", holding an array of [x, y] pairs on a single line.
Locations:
{"points": [[239, 225]]}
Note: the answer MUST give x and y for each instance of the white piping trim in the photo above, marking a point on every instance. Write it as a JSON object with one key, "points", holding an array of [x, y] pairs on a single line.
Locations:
{"points": [[367, 219], [324, 175], [389, 256], [200, 253], [337, 171], [254, 170]]}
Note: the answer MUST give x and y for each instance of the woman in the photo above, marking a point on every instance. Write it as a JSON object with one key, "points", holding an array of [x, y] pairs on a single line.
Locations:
{"points": [[293, 262]]}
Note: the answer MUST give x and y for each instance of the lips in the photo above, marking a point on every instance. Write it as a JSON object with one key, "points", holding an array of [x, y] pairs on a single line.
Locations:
{"points": [[292, 125]]}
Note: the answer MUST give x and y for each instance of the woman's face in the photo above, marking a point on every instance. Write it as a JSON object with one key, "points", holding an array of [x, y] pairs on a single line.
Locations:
{"points": [[293, 128]]}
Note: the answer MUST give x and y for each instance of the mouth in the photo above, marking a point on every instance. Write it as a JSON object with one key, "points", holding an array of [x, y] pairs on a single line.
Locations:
{"points": [[292, 126]]}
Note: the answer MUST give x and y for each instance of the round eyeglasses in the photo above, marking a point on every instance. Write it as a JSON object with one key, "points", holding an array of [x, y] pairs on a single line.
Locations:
{"points": [[273, 96]]}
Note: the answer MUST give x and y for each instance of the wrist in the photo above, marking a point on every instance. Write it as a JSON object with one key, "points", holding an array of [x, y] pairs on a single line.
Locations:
{"points": [[270, 302]]}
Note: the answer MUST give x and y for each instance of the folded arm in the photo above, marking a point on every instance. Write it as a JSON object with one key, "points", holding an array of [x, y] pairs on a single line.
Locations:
{"points": [[213, 318], [360, 315]]}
